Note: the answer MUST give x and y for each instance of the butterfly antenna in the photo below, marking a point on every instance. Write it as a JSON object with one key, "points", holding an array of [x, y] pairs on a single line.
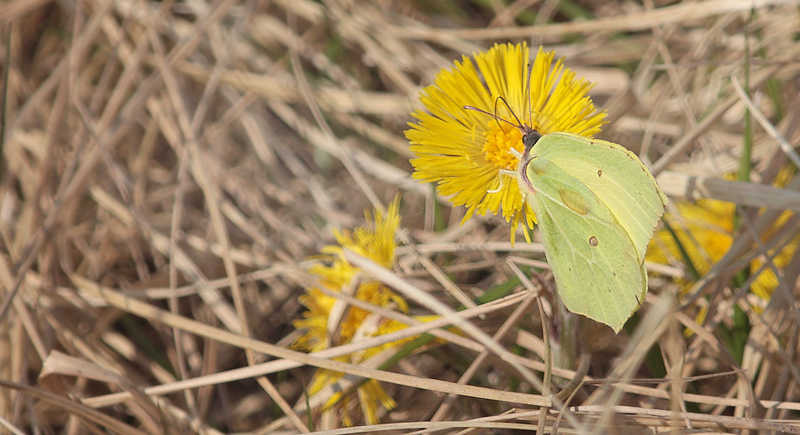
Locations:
{"points": [[493, 116], [519, 123], [527, 89]]}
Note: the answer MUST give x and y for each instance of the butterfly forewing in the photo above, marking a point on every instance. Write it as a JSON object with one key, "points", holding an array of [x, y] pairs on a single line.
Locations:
{"points": [[615, 175]]}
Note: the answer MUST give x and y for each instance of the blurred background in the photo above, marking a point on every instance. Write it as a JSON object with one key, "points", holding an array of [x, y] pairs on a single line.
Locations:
{"points": [[169, 166]]}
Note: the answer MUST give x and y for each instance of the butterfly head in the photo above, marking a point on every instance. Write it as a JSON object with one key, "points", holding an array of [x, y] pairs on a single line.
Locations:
{"points": [[529, 138]]}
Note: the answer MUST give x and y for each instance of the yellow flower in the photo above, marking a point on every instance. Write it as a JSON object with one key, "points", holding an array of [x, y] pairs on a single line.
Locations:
{"points": [[705, 230], [330, 322], [466, 152]]}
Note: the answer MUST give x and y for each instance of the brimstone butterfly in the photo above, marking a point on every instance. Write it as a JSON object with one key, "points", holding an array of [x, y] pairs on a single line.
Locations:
{"points": [[597, 206]]}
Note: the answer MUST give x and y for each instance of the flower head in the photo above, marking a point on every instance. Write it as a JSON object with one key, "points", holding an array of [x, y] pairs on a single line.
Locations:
{"points": [[468, 152], [330, 322], [705, 230]]}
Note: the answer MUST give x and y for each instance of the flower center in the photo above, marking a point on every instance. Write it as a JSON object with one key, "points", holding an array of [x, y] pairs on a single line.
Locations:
{"points": [[500, 138]]}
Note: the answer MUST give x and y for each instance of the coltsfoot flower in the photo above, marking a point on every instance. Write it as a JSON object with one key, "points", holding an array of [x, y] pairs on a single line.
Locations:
{"points": [[330, 322], [705, 230], [469, 153]]}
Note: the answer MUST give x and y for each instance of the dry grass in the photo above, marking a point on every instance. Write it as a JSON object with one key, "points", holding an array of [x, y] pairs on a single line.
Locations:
{"points": [[168, 166]]}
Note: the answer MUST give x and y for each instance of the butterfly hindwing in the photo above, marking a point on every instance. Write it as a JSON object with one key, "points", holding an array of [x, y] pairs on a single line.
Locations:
{"points": [[597, 269]]}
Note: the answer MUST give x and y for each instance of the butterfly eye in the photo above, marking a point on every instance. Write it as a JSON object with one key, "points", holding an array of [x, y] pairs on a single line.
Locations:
{"points": [[530, 138]]}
